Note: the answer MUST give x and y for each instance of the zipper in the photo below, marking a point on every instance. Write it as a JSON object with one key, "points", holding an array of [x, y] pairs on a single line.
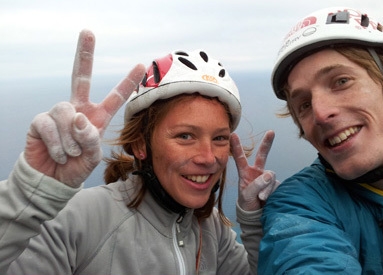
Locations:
{"points": [[178, 242]]}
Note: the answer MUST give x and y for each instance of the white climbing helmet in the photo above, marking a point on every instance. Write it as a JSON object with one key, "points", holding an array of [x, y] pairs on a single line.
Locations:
{"points": [[185, 73], [337, 25]]}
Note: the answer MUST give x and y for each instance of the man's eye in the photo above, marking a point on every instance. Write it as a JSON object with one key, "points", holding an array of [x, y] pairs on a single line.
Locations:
{"points": [[342, 81], [302, 109], [304, 106]]}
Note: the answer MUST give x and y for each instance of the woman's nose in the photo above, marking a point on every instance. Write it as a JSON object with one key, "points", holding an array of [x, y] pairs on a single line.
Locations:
{"points": [[205, 154]]}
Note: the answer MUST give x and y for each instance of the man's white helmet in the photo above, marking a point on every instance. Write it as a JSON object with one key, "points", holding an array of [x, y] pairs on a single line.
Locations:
{"points": [[338, 25], [185, 73]]}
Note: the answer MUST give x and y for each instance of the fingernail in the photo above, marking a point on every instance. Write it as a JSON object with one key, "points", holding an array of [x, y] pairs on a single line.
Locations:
{"points": [[267, 177]]}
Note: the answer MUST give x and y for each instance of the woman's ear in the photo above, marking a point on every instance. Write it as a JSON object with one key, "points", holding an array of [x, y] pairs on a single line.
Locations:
{"points": [[139, 150]]}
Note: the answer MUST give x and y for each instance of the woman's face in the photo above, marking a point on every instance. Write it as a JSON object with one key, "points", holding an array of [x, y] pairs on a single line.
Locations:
{"points": [[190, 149]]}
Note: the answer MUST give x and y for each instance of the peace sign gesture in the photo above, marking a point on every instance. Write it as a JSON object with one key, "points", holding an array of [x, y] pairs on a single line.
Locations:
{"points": [[255, 184], [64, 143]]}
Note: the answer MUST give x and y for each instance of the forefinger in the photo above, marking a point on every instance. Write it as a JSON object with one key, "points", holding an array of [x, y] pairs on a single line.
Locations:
{"points": [[120, 94], [264, 149], [82, 67], [237, 151]]}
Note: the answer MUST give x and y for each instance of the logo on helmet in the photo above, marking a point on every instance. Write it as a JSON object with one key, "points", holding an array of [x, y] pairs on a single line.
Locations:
{"points": [[308, 21], [358, 17], [209, 78]]}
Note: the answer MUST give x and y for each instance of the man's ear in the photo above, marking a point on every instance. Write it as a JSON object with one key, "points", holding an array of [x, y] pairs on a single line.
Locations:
{"points": [[139, 150]]}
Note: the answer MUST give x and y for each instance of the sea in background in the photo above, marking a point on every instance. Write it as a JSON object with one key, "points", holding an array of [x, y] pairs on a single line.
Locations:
{"points": [[22, 99]]}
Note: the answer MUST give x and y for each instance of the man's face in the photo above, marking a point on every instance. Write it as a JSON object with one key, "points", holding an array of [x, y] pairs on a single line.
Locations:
{"points": [[340, 109]]}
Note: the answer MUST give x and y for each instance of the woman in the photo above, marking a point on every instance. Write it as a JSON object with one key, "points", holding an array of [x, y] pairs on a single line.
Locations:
{"points": [[156, 215]]}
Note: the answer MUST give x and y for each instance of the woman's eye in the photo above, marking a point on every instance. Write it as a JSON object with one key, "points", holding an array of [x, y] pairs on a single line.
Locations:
{"points": [[184, 136], [220, 138]]}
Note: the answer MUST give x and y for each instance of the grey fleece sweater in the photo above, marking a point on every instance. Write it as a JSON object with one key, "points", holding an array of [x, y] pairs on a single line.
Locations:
{"points": [[49, 228]]}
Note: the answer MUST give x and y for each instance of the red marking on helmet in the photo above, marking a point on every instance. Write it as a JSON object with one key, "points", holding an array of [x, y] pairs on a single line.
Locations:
{"points": [[357, 16], [163, 65], [209, 78], [302, 24]]}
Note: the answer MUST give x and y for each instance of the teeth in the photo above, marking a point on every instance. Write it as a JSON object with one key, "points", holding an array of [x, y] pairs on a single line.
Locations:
{"points": [[343, 136], [197, 178]]}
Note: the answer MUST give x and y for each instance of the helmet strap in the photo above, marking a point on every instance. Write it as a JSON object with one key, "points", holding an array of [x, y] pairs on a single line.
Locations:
{"points": [[158, 192], [376, 58]]}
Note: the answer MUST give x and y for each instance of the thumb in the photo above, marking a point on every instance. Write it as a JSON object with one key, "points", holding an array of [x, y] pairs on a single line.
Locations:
{"points": [[268, 185]]}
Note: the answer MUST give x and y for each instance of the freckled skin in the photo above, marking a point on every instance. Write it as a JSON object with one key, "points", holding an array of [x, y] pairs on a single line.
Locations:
{"points": [[187, 143]]}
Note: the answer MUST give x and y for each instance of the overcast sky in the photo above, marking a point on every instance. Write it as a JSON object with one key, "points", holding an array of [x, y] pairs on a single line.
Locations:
{"points": [[39, 37], [38, 40]]}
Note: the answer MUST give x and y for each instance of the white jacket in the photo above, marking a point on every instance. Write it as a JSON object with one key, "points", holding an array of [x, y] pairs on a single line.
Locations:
{"points": [[96, 233]]}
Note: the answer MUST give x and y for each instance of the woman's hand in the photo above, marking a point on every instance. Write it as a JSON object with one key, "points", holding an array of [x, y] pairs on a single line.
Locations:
{"points": [[64, 143], [255, 184]]}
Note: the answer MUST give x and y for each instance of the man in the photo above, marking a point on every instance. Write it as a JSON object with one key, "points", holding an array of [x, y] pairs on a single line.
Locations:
{"points": [[327, 219]]}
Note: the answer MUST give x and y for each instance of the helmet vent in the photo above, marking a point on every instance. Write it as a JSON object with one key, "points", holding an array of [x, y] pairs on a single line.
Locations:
{"points": [[187, 63], [181, 53], [365, 21], [204, 56], [156, 73], [222, 73], [144, 80]]}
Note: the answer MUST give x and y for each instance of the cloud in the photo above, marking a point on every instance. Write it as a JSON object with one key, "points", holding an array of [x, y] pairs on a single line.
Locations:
{"points": [[39, 37]]}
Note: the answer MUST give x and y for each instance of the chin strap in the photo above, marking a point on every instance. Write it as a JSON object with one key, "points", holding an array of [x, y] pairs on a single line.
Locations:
{"points": [[370, 177], [158, 192]]}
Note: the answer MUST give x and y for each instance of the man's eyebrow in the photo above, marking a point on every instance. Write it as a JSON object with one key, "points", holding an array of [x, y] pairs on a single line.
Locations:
{"points": [[323, 71], [328, 69]]}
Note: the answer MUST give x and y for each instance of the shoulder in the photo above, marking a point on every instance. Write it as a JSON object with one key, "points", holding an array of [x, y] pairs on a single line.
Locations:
{"points": [[308, 193], [92, 214], [310, 181], [100, 204]]}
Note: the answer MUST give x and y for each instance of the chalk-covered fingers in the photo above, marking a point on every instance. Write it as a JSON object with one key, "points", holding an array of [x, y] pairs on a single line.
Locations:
{"points": [[255, 184], [252, 196], [54, 130], [98, 114], [264, 149], [238, 153], [82, 67], [267, 184], [76, 134], [63, 143], [88, 138], [77, 169], [62, 114], [119, 95]]}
